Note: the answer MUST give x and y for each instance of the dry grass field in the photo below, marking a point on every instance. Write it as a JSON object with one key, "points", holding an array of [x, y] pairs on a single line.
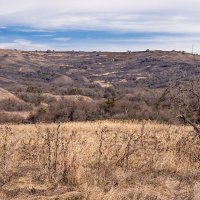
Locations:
{"points": [[105, 160]]}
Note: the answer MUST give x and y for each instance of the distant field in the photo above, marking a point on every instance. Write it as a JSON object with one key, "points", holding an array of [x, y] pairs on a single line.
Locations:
{"points": [[103, 160]]}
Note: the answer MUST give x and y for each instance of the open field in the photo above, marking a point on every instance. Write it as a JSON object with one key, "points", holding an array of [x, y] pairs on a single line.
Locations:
{"points": [[102, 160]]}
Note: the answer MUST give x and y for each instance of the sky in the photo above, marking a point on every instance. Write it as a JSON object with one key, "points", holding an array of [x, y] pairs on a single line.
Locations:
{"points": [[100, 25]]}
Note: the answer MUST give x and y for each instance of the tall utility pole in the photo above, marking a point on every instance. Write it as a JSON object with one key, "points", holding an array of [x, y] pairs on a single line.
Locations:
{"points": [[193, 53]]}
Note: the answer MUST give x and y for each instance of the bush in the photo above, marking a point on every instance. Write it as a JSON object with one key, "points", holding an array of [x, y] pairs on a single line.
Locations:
{"points": [[14, 105], [6, 118]]}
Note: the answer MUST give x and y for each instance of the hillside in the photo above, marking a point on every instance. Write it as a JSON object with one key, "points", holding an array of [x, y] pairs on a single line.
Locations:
{"points": [[153, 69], [44, 77]]}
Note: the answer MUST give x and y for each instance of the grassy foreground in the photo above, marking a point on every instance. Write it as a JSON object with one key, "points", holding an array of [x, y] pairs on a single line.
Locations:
{"points": [[99, 161]]}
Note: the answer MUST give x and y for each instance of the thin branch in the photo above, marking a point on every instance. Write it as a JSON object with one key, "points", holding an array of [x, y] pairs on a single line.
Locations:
{"points": [[191, 123]]}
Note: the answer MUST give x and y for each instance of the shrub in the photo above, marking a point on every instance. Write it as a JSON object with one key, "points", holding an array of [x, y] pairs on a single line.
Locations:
{"points": [[14, 105]]}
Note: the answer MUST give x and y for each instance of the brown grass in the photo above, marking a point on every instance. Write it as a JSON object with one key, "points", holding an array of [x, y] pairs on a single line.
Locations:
{"points": [[99, 161]]}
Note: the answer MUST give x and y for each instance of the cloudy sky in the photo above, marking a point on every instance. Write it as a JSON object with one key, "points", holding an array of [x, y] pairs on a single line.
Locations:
{"points": [[102, 25]]}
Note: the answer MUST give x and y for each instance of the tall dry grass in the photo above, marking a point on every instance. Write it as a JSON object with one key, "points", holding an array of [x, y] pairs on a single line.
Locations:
{"points": [[102, 160]]}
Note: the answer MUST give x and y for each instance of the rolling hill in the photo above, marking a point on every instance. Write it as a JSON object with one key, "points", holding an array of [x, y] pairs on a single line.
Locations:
{"points": [[153, 69], [93, 75]]}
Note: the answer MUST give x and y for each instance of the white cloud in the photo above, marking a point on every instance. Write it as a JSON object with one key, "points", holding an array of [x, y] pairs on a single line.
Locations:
{"points": [[22, 44], [62, 39], [167, 16], [169, 43], [117, 15]]}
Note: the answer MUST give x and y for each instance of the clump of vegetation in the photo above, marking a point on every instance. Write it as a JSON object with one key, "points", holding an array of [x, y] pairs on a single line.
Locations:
{"points": [[14, 105], [161, 105]]}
